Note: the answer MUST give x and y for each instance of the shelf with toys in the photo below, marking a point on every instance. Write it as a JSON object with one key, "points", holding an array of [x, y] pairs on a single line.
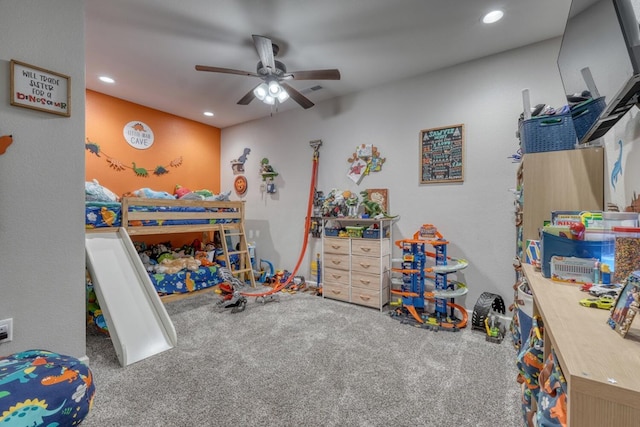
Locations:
{"points": [[600, 367]]}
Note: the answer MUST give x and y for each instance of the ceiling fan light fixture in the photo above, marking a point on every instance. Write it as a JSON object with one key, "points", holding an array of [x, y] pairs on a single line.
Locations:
{"points": [[282, 96], [261, 91], [274, 88], [269, 100]]}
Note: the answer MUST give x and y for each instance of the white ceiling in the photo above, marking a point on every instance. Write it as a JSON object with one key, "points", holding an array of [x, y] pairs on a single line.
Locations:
{"points": [[151, 47]]}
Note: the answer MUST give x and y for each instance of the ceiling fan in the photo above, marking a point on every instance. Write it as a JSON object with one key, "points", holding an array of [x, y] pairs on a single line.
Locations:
{"points": [[274, 89]]}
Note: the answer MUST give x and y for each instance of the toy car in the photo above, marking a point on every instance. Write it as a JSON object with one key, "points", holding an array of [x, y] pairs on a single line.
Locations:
{"points": [[600, 290], [604, 302]]}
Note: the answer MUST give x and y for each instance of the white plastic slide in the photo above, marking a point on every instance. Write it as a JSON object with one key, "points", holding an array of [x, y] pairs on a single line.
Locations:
{"points": [[136, 317]]}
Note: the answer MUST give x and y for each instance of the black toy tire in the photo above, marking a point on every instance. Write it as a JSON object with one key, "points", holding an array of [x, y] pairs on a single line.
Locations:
{"points": [[486, 302]]}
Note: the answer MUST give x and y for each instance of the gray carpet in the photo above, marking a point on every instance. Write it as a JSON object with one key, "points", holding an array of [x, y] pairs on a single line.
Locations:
{"points": [[305, 361]]}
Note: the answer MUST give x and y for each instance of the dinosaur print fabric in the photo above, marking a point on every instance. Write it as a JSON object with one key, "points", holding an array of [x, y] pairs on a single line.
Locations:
{"points": [[41, 388]]}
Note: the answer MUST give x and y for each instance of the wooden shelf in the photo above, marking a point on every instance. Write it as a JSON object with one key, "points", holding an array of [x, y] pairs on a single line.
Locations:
{"points": [[602, 368], [560, 180]]}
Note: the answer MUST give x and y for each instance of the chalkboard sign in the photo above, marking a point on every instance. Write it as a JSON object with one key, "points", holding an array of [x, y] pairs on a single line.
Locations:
{"points": [[441, 154]]}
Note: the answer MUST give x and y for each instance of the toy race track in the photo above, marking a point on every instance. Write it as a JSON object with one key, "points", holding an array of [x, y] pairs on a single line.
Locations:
{"points": [[233, 294], [432, 308]]}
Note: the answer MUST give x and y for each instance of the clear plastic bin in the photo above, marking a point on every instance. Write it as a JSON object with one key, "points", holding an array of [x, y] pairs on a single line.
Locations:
{"points": [[627, 252]]}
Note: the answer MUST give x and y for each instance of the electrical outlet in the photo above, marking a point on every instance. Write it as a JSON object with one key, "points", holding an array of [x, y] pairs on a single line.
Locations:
{"points": [[6, 330]]}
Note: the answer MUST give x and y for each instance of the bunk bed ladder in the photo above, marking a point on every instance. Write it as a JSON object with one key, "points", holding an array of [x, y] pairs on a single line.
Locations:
{"points": [[243, 270]]}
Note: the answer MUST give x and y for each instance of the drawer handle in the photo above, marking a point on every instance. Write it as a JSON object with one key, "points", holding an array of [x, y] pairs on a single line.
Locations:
{"points": [[366, 249], [336, 292], [336, 246], [366, 298], [365, 282], [336, 276], [365, 265], [336, 262]]}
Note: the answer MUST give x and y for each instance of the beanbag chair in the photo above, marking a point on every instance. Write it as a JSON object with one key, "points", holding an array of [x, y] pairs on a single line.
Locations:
{"points": [[41, 388]]}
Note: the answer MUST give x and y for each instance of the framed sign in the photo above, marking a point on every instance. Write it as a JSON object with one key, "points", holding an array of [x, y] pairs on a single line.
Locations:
{"points": [[378, 195], [39, 89], [441, 154]]}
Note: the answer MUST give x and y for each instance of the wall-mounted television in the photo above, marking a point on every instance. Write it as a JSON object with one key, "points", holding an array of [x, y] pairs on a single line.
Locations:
{"points": [[600, 57]]}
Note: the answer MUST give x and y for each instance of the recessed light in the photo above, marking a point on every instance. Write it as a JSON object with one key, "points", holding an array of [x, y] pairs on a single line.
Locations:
{"points": [[493, 16], [208, 113], [107, 79]]}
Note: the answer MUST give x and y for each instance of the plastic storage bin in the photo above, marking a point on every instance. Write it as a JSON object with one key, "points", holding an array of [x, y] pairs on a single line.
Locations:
{"points": [[627, 256], [586, 114], [331, 232], [554, 245], [619, 219], [547, 133], [374, 233], [353, 231]]}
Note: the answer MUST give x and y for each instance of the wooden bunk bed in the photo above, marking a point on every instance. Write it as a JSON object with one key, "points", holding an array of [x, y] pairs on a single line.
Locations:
{"points": [[148, 216]]}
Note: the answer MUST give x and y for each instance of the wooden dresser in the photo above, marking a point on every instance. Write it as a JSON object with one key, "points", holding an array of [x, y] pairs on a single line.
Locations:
{"points": [[356, 270], [602, 368]]}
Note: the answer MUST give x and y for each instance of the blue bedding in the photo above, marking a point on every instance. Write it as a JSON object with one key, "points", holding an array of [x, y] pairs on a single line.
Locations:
{"points": [[185, 280], [136, 208], [102, 214]]}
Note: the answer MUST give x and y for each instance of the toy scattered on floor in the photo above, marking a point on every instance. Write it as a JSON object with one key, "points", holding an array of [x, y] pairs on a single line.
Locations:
{"points": [[230, 292], [416, 298], [495, 330], [487, 305]]}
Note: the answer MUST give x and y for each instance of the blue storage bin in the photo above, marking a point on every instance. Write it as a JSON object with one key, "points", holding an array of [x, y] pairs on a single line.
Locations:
{"points": [[547, 133], [586, 114], [331, 232], [561, 246]]}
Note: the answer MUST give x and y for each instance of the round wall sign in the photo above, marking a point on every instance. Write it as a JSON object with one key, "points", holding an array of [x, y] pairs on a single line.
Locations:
{"points": [[138, 135], [240, 185]]}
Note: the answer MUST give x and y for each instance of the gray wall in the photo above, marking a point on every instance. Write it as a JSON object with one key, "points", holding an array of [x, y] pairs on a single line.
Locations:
{"points": [[477, 216], [42, 180]]}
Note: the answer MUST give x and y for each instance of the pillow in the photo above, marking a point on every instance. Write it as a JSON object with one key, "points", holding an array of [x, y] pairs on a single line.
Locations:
{"points": [[94, 192]]}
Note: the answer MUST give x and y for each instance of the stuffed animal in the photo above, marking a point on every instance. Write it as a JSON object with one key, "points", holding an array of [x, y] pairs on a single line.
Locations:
{"points": [[94, 192], [172, 266], [203, 257], [181, 191], [152, 194]]}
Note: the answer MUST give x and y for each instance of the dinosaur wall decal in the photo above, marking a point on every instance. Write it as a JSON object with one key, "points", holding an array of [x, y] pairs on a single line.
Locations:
{"points": [[616, 172]]}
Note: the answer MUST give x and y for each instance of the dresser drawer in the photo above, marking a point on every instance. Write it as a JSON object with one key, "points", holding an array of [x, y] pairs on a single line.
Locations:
{"points": [[335, 276], [336, 246], [369, 297], [333, 291], [365, 264], [341, 262], [366, 281], [368, 247]]}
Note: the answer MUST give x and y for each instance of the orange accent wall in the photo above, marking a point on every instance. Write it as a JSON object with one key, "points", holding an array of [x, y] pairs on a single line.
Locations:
{"points": [[174, 137]]}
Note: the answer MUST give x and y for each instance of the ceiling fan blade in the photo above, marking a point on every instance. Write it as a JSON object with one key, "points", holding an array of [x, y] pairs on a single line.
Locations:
{"points": [[332, 74], [225, 70], [245, 100], [297, 96], [265, 52]]}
